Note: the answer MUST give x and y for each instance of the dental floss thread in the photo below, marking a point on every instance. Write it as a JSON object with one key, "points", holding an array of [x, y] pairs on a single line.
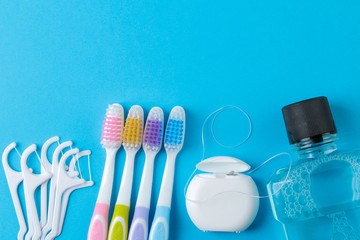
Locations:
{"points": [[255, 196]]}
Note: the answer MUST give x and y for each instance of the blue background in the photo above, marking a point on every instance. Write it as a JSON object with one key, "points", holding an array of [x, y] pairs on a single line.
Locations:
{"points": [[62, 62]]}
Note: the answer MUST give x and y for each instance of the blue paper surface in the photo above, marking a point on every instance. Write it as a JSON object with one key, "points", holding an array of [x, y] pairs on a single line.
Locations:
{"points": [[62, 62]]}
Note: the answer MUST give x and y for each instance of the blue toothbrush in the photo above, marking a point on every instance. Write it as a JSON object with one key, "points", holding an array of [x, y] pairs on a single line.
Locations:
{"points": [[173, 142]]}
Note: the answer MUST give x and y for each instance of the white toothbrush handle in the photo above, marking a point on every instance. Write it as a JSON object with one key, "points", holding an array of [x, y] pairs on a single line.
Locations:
{"points": [[120, 220], [105, 191], [127, 179], [167, 183], [140, 223], [161, 222], [144, 195], [99, 221]]}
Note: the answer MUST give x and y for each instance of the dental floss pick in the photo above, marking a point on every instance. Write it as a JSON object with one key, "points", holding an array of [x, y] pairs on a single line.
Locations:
{"points": [[31, 182], [46, 167], [219, 196], [54, 171], [67, 193], [64, 182], [67, 182], [14, 178]]}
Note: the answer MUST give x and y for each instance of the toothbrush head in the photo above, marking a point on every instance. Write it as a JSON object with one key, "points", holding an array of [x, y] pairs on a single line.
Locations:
{"points": [[113, 126], [133, 130], [175, 130], [154, 129]]}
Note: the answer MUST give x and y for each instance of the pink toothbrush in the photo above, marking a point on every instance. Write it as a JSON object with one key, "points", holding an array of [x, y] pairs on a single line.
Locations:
{"points": [[111, 141]]}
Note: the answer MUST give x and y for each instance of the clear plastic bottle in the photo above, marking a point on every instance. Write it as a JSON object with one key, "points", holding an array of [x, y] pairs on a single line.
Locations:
{"points": [[320, 197]]}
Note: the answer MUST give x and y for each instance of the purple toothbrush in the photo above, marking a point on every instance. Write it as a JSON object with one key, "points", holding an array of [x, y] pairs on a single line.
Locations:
{"points": [[152, 140]]}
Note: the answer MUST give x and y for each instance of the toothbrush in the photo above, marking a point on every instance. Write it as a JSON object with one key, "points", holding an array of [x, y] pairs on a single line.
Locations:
{"points": [[152, 141], [173, 142], [111, 140], [132, 142]]}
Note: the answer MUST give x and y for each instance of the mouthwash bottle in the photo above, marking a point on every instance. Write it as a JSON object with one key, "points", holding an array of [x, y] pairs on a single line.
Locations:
{"points": [[319, 198]]}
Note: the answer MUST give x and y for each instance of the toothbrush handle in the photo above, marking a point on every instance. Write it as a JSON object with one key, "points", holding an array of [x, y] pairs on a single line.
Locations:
{"points": [[160, 226], [98, 229], [139, 225], [99, 222], [119, 224]]}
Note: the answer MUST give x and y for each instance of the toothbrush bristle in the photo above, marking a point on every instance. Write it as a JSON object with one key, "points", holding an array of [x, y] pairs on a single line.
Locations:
{"points": [[175, 130], [112, 130], [133, 128], [153, 132]]}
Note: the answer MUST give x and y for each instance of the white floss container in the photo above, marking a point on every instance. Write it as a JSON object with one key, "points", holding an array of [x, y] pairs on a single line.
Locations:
{"points": [[223, 199]]}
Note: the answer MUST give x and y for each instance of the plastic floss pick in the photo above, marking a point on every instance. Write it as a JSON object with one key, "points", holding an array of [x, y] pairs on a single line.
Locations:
{"points": [[66, 195], [225, 198], [31, 182], [65, 181], [46, 167], [54, 171], [14, 178]]}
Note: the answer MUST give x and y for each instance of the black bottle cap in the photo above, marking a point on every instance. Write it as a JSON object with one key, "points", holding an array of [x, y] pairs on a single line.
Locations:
{"points": [[308, 119]]}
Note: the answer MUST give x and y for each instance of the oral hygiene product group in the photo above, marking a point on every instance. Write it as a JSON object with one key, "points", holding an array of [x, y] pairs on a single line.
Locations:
{"points": [[317, 198]]}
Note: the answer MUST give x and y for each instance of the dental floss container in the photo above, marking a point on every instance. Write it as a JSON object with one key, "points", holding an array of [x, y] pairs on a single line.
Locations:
{"points": [[222, 199]]}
